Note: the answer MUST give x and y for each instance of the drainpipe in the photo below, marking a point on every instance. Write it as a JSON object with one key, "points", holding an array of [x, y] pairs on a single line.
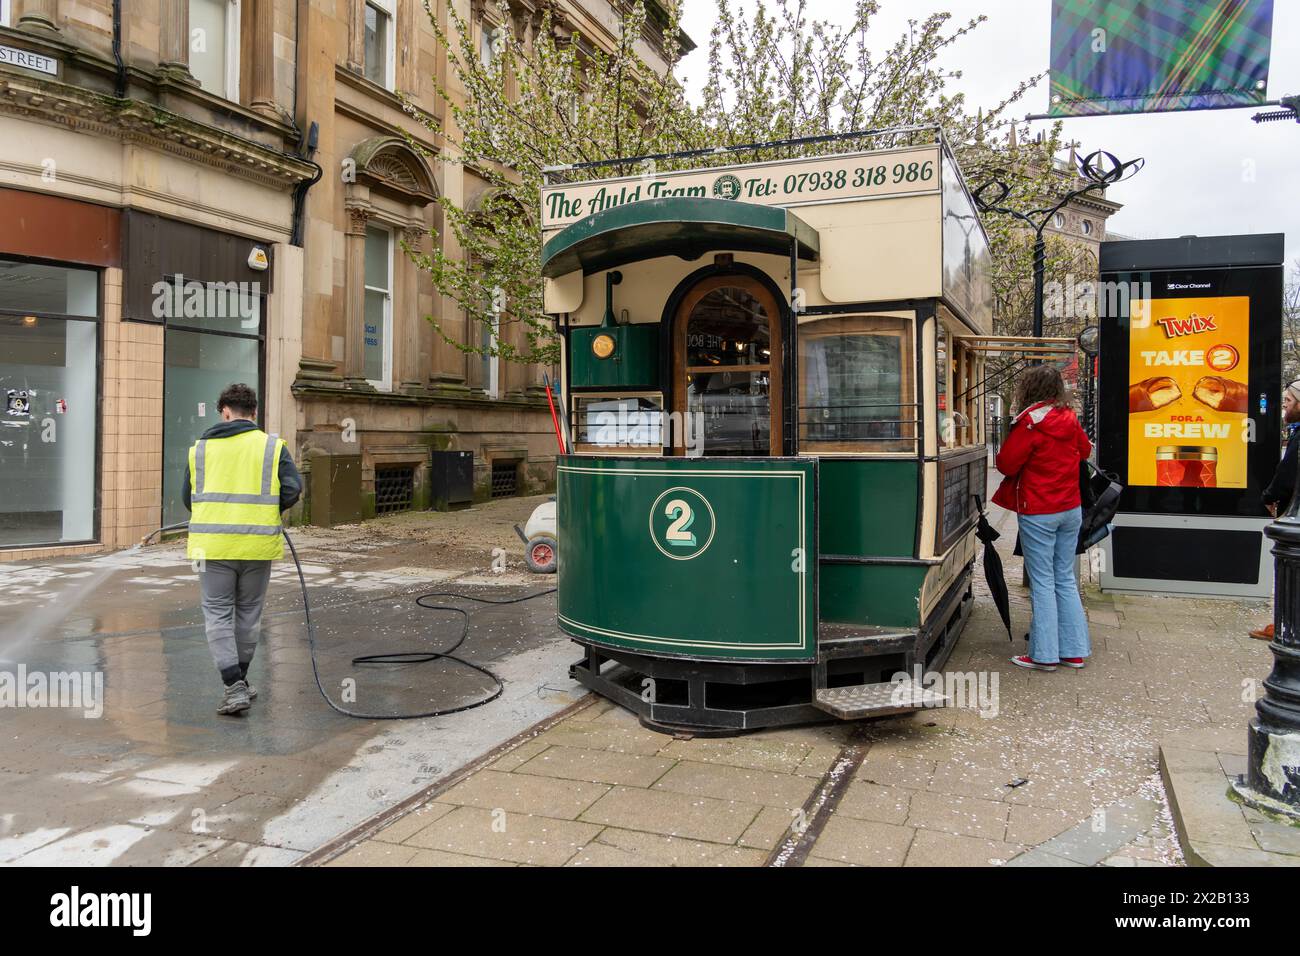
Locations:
{"points": [[120, 83], [309, 139], [300, 191]]}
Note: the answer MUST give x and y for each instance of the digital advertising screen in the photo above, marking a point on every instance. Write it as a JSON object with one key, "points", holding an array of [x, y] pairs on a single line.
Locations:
{"points": [[1189, 389], [1189, 398]]}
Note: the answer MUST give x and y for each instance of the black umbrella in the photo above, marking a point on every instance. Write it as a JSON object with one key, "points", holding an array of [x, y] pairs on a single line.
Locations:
{"points": [[997, 582]]}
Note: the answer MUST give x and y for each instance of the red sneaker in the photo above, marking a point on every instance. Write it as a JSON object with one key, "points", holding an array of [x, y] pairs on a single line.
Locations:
{"points": [[1075, 662], [1026, 661]]}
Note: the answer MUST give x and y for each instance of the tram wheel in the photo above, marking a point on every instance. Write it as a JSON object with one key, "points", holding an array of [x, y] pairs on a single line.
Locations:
{"points": [[540, 555]]}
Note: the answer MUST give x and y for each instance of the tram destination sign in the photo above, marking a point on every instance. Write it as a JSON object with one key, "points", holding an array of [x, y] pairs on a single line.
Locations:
{"points": [[802, 182]]}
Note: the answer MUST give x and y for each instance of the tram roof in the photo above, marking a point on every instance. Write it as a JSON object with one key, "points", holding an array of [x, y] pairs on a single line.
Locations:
{"points": [[685, 226]]}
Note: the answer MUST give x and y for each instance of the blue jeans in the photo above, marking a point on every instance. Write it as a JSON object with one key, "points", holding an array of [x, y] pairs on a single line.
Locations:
{"points": [[1059, 627]]}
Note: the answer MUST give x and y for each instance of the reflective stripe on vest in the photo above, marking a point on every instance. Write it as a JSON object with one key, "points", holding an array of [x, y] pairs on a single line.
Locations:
{"points": [[235, 498]]}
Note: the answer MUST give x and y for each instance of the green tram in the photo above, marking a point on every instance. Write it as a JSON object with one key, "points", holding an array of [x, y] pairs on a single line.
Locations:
{"points": [[771, 382]]}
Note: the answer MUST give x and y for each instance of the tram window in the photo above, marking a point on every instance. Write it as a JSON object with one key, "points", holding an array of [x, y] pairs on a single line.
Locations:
{"points": [[728, 327], [733, 409], [614, 421], [965, 399], [957, 392], [727, 368], [856, 389], [942, 373]]}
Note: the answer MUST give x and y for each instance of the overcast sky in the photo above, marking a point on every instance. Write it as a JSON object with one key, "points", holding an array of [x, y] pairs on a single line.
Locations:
{"points": [[1207, 173]]}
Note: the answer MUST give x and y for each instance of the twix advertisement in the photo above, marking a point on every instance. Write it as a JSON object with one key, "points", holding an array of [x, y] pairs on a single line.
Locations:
{"points": [[1188, 396]]}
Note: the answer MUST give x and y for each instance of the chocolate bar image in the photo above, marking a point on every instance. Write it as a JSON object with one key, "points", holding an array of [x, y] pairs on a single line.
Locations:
{"points": [[1152, 393], [1222, 394]]}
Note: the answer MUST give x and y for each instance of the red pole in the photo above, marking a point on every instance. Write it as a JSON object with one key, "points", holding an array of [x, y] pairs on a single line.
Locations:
{"points": [[555, 419]]}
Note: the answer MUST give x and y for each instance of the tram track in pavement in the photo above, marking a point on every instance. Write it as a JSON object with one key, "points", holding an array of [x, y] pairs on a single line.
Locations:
{"points": [[820, 806]]}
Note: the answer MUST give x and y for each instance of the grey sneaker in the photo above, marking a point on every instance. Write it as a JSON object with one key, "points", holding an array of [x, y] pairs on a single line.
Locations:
{"points": [[235, 700], [252, 691]]}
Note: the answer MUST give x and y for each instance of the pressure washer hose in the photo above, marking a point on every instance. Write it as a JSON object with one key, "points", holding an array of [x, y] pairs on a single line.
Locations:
{"points": [[395, 657]]}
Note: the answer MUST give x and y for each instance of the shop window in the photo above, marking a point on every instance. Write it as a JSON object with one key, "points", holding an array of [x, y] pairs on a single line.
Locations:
{"points": [[49, 388], [856, 385], [379, 308], [197, 367], [380, 42], [214, 46]]}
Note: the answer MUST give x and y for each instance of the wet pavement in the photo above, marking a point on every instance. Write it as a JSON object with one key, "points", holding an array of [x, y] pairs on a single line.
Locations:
{"points": [[135, 767]]}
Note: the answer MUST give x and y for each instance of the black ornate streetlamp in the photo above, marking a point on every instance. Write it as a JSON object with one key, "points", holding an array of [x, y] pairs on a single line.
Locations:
{"points": [[1100, 169], [1272, 779], [1090, 344]]}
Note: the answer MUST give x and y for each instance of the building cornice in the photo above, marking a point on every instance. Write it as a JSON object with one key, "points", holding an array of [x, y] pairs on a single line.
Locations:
{"points": [[149, 125]]}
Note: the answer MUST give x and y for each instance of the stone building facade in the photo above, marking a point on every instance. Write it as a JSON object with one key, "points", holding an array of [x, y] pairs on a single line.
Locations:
{"points": [[203, 191], [149, 159], [378, 385]]}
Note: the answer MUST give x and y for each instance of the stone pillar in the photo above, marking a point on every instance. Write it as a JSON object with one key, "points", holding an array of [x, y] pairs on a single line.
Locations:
{"points": [[356, 35], [354, 281], [174, 40], [39, 16], [262, 98], [411, 377]]}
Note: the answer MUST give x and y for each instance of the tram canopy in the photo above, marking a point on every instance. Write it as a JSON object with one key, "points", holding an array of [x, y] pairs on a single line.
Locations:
{"points": [[684, 226]]}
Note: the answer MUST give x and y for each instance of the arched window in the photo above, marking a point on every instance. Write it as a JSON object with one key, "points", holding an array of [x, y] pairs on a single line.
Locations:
{"points": [[727, 380]]}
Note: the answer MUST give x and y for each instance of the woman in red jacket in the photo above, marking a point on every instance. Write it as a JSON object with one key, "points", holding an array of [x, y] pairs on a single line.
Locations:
{"points": [[1040, 460]]}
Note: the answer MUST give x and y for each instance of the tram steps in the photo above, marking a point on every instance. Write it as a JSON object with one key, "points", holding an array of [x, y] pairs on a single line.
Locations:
{"points": [[876, 700]]}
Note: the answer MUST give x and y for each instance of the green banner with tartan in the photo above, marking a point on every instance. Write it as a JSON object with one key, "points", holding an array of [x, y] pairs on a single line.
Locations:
{"points": [[1151, 56]]}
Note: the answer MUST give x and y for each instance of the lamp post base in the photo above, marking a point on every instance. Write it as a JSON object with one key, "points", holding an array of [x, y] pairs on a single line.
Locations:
{"points": [[1272, 779]]}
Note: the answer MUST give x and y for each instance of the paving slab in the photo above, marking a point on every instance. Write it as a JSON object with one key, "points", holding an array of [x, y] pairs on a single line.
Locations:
{"points": [[932, 848], [525, 793], [863, 842], [673, 814], [597, 766], [505, 836]]}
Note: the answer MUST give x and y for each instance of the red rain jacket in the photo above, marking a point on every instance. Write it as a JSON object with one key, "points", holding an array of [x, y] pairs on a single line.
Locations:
{"points": [[1040, 459]]}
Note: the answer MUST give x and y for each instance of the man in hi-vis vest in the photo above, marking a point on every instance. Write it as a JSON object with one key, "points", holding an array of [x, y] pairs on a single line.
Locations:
{"points": [[237, 482]]}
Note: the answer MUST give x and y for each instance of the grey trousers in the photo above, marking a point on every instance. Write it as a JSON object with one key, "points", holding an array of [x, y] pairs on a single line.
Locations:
{"points": [[233, 594]]}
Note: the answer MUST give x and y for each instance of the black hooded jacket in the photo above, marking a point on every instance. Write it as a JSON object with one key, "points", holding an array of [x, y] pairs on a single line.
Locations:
{"points": [[290, 479], [1282, 486]]}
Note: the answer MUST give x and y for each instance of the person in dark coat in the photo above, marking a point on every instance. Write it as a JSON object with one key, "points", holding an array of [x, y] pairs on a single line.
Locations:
{"points": [[1277, 496]]}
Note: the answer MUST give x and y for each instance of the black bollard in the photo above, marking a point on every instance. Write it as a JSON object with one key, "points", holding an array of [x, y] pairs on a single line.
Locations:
{"points": [[1272, 780]]}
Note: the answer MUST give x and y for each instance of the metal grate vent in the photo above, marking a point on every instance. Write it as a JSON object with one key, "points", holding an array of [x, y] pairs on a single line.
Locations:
{"points": [[394, 489], [505, 479]]}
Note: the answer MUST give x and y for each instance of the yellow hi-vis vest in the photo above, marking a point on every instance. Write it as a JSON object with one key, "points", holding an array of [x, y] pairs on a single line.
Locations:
{"points": [[235, 498]]}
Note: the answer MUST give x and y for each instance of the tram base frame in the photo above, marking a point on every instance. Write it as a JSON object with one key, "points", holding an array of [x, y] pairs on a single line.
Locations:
{"points": [[722, 698]]}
